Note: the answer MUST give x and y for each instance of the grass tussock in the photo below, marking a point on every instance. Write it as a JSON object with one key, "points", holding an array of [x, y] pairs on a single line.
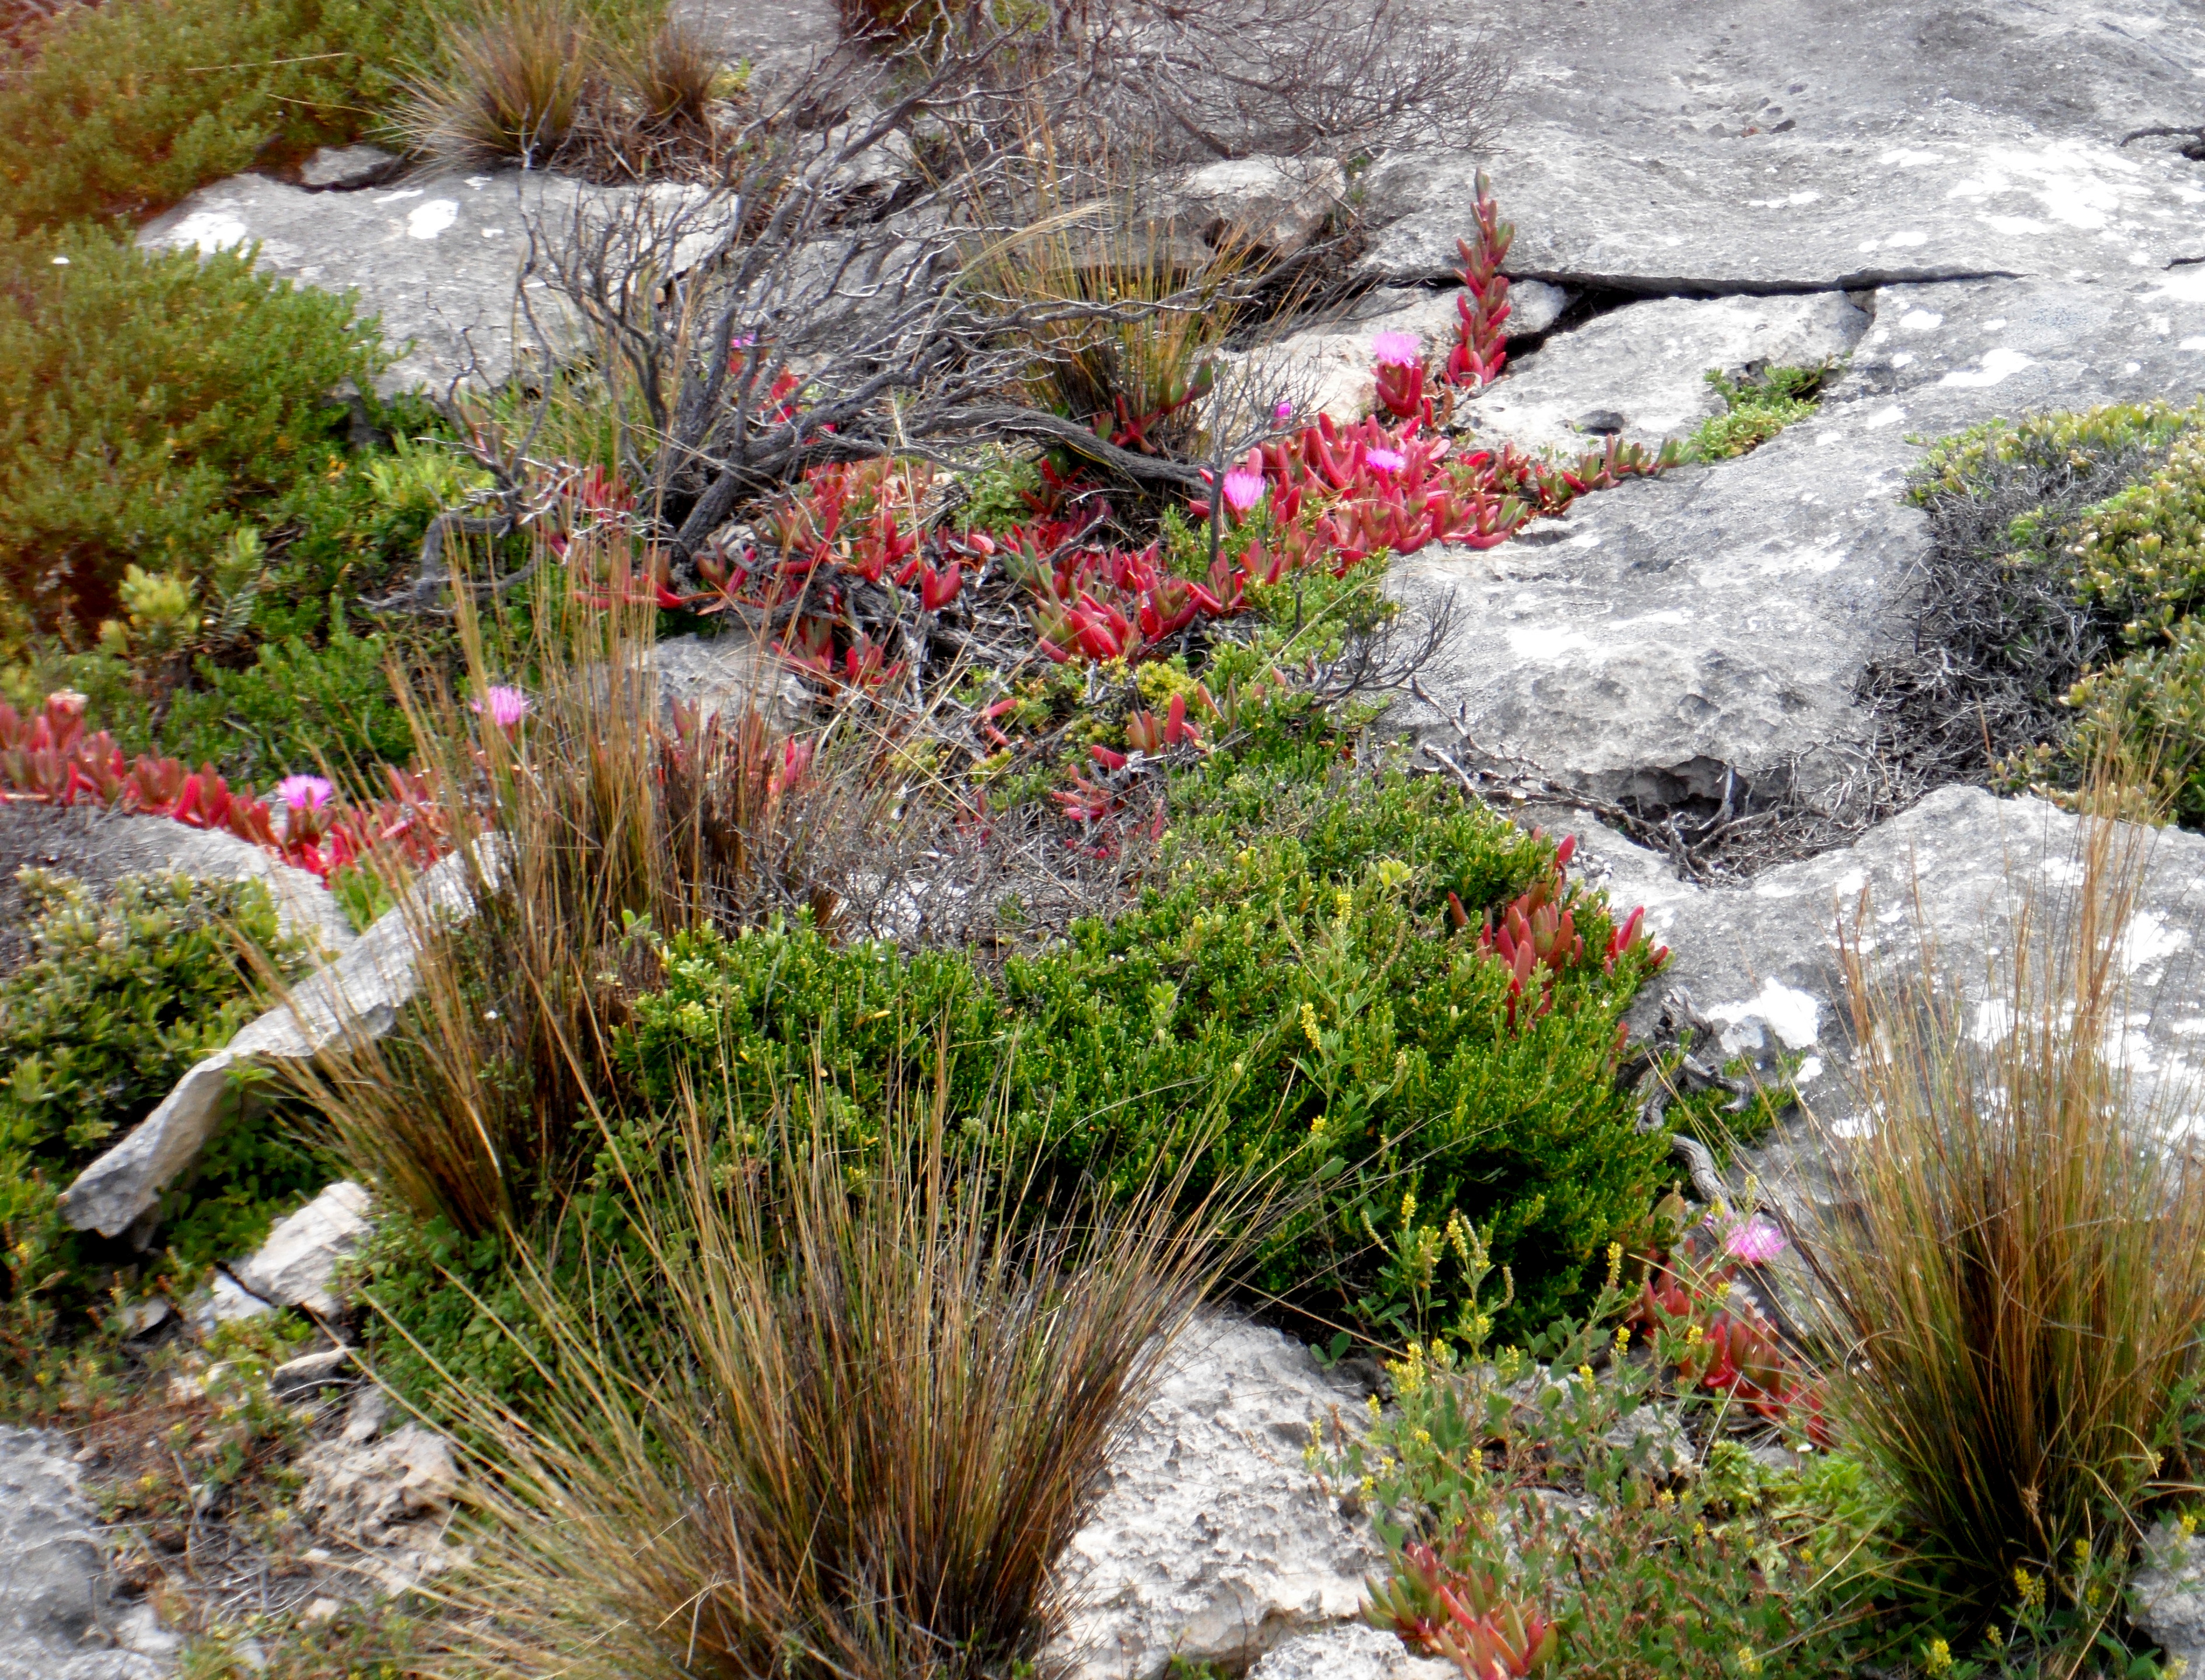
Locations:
{"points": [[867, 1417], [2020, 1276], [596, 821], [513, 85]]}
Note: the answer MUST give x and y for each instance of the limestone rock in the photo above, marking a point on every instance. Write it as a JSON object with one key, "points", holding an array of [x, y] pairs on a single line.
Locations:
{"points": [[1648, 362], [717, 673], [347, 169], [1212, 1541], [2170, 1594], [311, 1372], [364, 1493], [99, 847], [1760, 959], [1348, 1651], [1279, 203], [363, 990], [294, 1267], [223, 1301], [57, 1622], [440, 259]]}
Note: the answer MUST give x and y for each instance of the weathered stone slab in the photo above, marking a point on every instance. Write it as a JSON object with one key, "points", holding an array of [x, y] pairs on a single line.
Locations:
{"points": [[1641, 371], [1664, 635], [99, 847], [1212, 1541], [1784, 143], [361, 991], [439, 258], [1761, 959], [296, 1264], [1350, 1651]]}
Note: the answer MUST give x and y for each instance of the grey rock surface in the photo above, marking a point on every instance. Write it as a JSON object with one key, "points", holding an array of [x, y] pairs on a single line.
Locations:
{"points": [[1348, 1651], [297, 1263], [347, 169], [1666, 634], [1781, 144], [362, 991], [57, 1620], [1280, 204], [443, 260], [728, 671], [1647, 363], [1665, 638], [99, 847], [2170, 1594], [1760, 960], [1212, 1541]]}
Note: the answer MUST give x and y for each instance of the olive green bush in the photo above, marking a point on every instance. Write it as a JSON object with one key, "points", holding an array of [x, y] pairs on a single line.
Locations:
{"points": [[2070, 558], [150, 407], [119, 997], [1295, 962], [113, 112]]}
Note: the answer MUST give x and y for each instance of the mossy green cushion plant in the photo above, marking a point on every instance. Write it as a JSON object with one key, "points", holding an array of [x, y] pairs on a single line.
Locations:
{"points": [[1756, 408]]}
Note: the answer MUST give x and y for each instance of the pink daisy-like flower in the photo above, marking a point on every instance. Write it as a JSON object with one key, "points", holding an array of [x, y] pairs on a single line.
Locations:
{"points": [[304, 793], [1385, 460], [1756, 1241], [1243, 490], [1397, 350], [502, 706], [1284, 410]]}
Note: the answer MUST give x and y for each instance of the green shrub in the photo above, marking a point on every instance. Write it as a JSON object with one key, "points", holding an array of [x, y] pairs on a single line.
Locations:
{"points": [[149, 405], [118, 999], [1755, 409], [2141, 552], [2148, 712], [296, 708], [1308, 981], [115, 111]]}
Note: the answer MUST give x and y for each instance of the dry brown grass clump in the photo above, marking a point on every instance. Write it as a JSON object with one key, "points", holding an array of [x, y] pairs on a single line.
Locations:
{"points": [[869, 1411], [598, 822], [2018, 1281]]}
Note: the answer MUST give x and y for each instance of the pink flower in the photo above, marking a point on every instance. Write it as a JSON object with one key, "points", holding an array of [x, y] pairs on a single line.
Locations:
{"points": [[1284, 410], [1385, 460], [1756, 1241], [1243, 490], [304, 793], [503, 706], [1397, 350]]}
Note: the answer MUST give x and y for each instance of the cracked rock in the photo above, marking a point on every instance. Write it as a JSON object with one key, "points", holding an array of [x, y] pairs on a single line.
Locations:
{"points": [[361, 991], [1759, 960], [1642, 370], [57, 1622], [1212, 1541]]}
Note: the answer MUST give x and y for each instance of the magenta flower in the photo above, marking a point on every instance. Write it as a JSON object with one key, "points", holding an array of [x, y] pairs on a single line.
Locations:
{"points": [[503, 706], [1397, 350], [1756, 1241], [1284, 410], [1385, 460], [304, 793], [1243, 490]]}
